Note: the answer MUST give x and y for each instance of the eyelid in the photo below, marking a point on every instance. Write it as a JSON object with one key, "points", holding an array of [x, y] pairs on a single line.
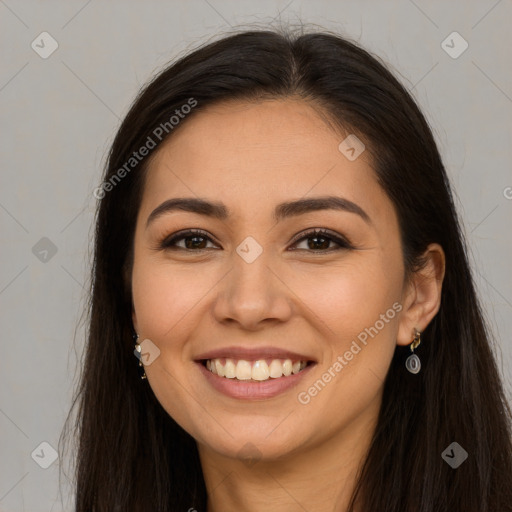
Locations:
{"points": [[165, 243], [341, 241]]}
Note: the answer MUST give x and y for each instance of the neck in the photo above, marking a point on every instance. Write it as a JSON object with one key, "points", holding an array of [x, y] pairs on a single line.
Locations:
{"points": [[316, 477]]}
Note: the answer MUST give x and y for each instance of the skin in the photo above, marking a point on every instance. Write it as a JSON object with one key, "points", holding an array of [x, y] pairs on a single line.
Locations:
{"points": [[251, 157]]}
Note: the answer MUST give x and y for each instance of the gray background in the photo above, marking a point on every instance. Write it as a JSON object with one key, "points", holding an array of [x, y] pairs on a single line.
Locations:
{"points": [[60, 114]]}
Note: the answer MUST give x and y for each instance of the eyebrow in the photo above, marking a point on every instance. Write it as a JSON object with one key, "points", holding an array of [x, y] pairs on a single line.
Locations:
{"points": [[282, 211]]}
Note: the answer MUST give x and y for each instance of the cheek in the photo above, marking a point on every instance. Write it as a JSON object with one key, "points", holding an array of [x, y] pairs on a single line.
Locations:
{"points": [[165, 296], [164, 300], [357, 312], [356, 309], [350, 296]]}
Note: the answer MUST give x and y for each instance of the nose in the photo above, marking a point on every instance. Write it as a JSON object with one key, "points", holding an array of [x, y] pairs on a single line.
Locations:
{"points": [[253, 295]]}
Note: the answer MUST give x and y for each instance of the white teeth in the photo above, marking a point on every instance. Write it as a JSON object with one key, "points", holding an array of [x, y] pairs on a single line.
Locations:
{"points": [[219, 368], [230, 369], [243, 370], [276, 369], [287, 368], [258, 370]]}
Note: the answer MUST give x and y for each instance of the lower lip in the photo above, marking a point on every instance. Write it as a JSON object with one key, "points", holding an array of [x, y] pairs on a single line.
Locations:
{"points": [[251, 390]]}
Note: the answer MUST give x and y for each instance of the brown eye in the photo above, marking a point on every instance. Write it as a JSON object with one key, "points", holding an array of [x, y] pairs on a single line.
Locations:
{"points": [[194, 240], [319, 240]]}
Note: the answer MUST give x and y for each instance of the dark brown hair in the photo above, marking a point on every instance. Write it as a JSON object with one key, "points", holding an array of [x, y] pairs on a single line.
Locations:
{"points": [[132, 456]]}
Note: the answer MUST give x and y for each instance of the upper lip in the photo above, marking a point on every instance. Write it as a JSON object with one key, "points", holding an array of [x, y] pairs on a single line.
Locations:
{"points": [[253, 354]]}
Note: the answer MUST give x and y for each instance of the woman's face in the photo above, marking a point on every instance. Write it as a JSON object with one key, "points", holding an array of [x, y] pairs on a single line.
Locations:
{"points": [[257, 285]]}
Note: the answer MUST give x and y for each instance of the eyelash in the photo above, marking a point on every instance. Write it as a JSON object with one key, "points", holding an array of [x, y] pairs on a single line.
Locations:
{"points": [[169, 242]]}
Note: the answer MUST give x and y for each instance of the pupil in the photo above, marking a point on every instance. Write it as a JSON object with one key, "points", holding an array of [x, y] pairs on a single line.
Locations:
{"points": [[194, 241], [323, 246]]}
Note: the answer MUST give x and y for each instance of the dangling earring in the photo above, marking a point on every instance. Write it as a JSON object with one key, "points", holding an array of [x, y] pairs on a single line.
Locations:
{"points": [[138, 354], [413, 363]]}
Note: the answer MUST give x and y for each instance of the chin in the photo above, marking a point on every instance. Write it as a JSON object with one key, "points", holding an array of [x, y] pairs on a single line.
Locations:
{"points": [[255, 443]]}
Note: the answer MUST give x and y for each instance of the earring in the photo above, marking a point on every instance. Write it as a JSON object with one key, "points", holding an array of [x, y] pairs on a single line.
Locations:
{"points": [[138, 355], [413, 363]]}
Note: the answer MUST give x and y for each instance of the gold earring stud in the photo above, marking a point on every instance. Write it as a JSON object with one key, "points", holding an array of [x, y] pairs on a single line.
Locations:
{"points": [[138, 354]]}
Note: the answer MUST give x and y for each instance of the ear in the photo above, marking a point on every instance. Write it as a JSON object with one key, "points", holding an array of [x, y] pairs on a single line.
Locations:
{"points": [[422, 295]]}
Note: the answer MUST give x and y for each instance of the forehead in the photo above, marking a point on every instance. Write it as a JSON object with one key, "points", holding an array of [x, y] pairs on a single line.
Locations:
{"points": [[277, 131], [254, 154]]}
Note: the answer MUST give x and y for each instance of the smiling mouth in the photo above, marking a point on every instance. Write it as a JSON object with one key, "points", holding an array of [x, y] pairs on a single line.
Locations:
{"points": [[258, 370]]}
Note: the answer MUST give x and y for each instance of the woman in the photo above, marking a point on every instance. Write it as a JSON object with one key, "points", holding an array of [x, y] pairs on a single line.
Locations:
{"points": [[277, 244]]}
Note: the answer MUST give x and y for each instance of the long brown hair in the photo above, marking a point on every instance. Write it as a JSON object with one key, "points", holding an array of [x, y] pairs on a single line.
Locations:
{"points": [[132, 456]]}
